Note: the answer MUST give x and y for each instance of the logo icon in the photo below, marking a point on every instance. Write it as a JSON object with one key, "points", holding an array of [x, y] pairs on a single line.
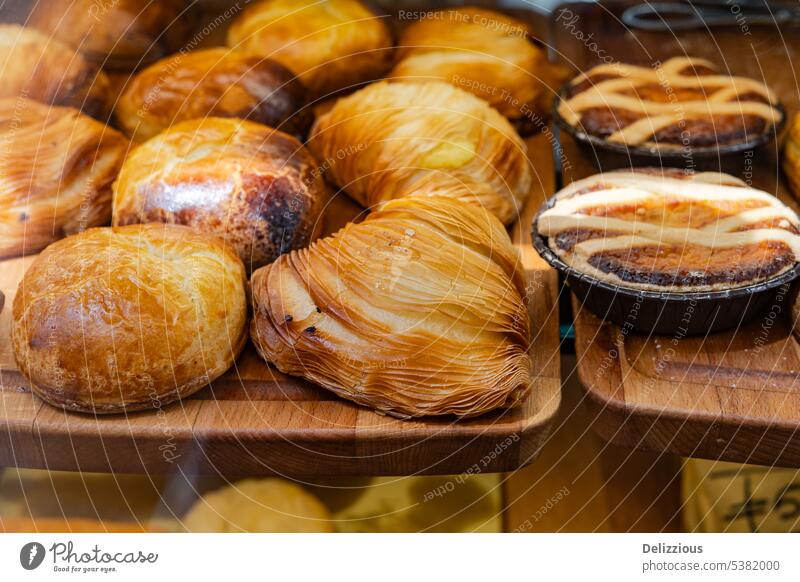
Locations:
{"points": [[31, 555]]}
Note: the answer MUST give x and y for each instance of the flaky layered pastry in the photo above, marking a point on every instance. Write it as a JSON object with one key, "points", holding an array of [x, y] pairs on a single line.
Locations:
{"points": [[256, 188], [392, 140], [672, 231], [115, 34], [330, 45], [131, 318], [35, 66], [682, 102], [212, 83], [484, 52], [56, 170], [416, 311], [791, 156]]}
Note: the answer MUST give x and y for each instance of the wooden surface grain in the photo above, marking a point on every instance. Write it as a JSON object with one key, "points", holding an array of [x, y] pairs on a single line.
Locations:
{"points": [[256, 421], [733, 395]]}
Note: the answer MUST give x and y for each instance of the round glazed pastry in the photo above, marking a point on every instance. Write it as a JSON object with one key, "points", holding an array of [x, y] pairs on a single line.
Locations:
{"points": [[683, 102], [483, 52], [120, 35], [253, 186], [415, 311], [391, 140], [671, 232], [212, 83], [35, 66], [330, 45], [259, 506], [124, 319], [56, 170]]}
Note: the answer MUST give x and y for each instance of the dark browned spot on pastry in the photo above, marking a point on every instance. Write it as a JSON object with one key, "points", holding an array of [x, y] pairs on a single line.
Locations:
{"points": [[567, 239], [311, 329], [718, 130], [288, 318], [695, 265], [278, 205], [603, 122]]}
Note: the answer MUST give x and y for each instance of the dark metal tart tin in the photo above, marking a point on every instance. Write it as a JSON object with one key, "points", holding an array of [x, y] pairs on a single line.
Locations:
{"points": [[654, 312], [729, 159]]}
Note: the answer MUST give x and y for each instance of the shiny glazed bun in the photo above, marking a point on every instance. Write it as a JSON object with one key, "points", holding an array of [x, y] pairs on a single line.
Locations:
{"points": [[35, 66], [213, 82], [483, 52], [56, 170], [253, 186], [391, 140], [123, 319], [119, 34], [259, 506], [331, 45], [416, 311]]}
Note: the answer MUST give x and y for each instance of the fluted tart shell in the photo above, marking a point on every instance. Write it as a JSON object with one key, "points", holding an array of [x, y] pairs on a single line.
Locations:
{"points": [[36, 66], [397, 139], [56, 170], [132, 318], [416, 311], [330, 45], [256, 188], [212, 83]]}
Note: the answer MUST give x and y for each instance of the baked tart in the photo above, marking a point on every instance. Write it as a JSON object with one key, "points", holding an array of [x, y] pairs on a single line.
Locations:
{"points": [[670, 235], [681, 106]]}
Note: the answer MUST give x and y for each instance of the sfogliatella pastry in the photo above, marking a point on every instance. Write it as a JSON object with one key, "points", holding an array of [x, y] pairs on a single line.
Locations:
{"points": [[486, 53], [416, 311], [35, 66], [212, 83], [791, 156], [255, 187], [683, 103], [671, 232], [56, 170], [392, 140], [132, 318], [116, 34], [330, 45]]}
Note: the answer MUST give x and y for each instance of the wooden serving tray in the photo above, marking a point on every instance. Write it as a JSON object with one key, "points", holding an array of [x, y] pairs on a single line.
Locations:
{"points": [[256, 421], [733, 395]]}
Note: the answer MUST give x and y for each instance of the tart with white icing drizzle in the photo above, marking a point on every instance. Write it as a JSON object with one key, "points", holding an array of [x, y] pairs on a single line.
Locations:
{"points": [[671, 231], [683, 102]]}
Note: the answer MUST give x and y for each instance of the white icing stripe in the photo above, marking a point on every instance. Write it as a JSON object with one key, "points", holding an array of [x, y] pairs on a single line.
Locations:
{"points": [[618, 176], [753, 217]]}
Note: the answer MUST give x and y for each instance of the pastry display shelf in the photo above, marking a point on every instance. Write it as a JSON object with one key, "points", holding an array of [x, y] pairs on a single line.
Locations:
{"points": [[256, 421], [733, 395]]}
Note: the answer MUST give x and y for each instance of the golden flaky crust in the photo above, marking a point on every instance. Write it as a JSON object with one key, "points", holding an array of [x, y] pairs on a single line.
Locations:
{"points": [[253, 186], [483, 52], [791, 156], [212, 83], [391, 140], [330, 45], [119, 34], [35, 66], [56, 170], [123, 319], [416, 311]]}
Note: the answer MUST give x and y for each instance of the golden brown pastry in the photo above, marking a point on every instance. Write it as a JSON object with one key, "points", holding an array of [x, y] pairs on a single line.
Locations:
{"points": [[683, 102], [253, 186], [331, 45], [259, 506], [56, 170], [115, 34], [35, 66], [672, 231], [416, 311], [791, 156], [131, 318], [484, 52], [213, 83], [391, 140]]}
